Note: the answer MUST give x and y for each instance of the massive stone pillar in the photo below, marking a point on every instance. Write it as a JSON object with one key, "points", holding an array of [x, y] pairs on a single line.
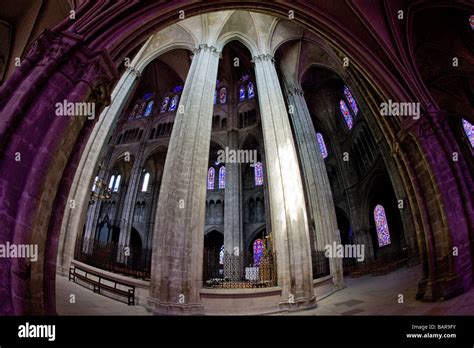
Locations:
{"points": [[128, 210], [445, 273], [73, 220], [287, 203], [233, 237], [92, 219], [179, 233], [320, 202]]}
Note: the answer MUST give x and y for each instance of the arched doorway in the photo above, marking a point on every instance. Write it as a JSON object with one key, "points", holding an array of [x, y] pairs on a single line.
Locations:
{"points": [[136, 249], [213, 265]]}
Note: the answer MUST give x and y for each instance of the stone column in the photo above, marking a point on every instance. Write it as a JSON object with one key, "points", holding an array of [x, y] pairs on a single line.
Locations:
{"points": [[287, 203], [73, 220], [178, 240], [233, 237], [128, 210], [321, 204], [363, 237], [92, 217], [443, 229]]}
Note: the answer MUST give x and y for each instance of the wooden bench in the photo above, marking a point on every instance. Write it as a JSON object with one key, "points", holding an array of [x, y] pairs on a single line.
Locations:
{"points": [[98, 282]]}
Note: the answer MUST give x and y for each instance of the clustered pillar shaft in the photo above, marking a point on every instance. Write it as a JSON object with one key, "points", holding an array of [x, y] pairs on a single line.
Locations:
{"points": [[318, 189], [287, 203], [178, 242], [233, 238]]}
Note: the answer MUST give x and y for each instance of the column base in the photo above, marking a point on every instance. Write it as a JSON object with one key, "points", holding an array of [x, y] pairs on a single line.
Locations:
{"points": [[298, 305], [339, 286], [165, 308], [443, 288]]}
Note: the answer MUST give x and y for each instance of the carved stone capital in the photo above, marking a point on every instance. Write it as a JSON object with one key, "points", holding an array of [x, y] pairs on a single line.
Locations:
{"points": [[134, 71], [52, 47], [263, 58], [204, 48], [96, 70], [295, 91]]}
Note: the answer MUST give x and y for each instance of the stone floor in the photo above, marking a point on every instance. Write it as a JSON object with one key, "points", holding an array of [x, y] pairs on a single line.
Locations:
{"points": [[89, 303], [367, 295], [378, 295]]}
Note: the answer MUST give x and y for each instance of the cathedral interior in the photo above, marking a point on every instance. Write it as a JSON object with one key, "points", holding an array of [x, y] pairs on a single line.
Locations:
{"points": [[235, 157]]}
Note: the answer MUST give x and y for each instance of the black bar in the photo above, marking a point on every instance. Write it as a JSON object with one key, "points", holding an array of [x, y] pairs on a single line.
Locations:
{"points": [[210, 330]]}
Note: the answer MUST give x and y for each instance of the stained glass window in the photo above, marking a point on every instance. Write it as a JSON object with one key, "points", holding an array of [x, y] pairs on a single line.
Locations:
{"points": [[164, 104], [222, 178], [146, 180], [223, 95], [215, 93], [245, 77], [250, 90], [351, 100], [471, 21], [111, 182], [469, 130], [174, 103], [178, 89], [211, 175], [134, 111], [94, 185], [258, 174], [242, 92], [141, 110], [345, 112], [117, 183], [383, 235], [149, 109], [221, 255], [147, 95], [322, 145], [257, 252]]}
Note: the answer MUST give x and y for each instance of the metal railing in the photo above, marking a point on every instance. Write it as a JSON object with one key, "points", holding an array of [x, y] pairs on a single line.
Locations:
{"points": [[320, 264], [238, 271], [127, 260], [370, 266]]}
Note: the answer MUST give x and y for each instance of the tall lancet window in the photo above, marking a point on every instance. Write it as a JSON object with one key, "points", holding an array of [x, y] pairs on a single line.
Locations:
{"points": [[322, 145], [94, 185], [351, 100], [381, 225], [211, 177], [174, 103], [346, 114], [257, 252], [242, 92], [111, 182], [134, 111], [222, 178], [146, 180], [141, 109], [117, 183], [149, 109], [223, 95], [250, 90], [258, 174], [221, 255], [164, 104], [469, 130]]}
